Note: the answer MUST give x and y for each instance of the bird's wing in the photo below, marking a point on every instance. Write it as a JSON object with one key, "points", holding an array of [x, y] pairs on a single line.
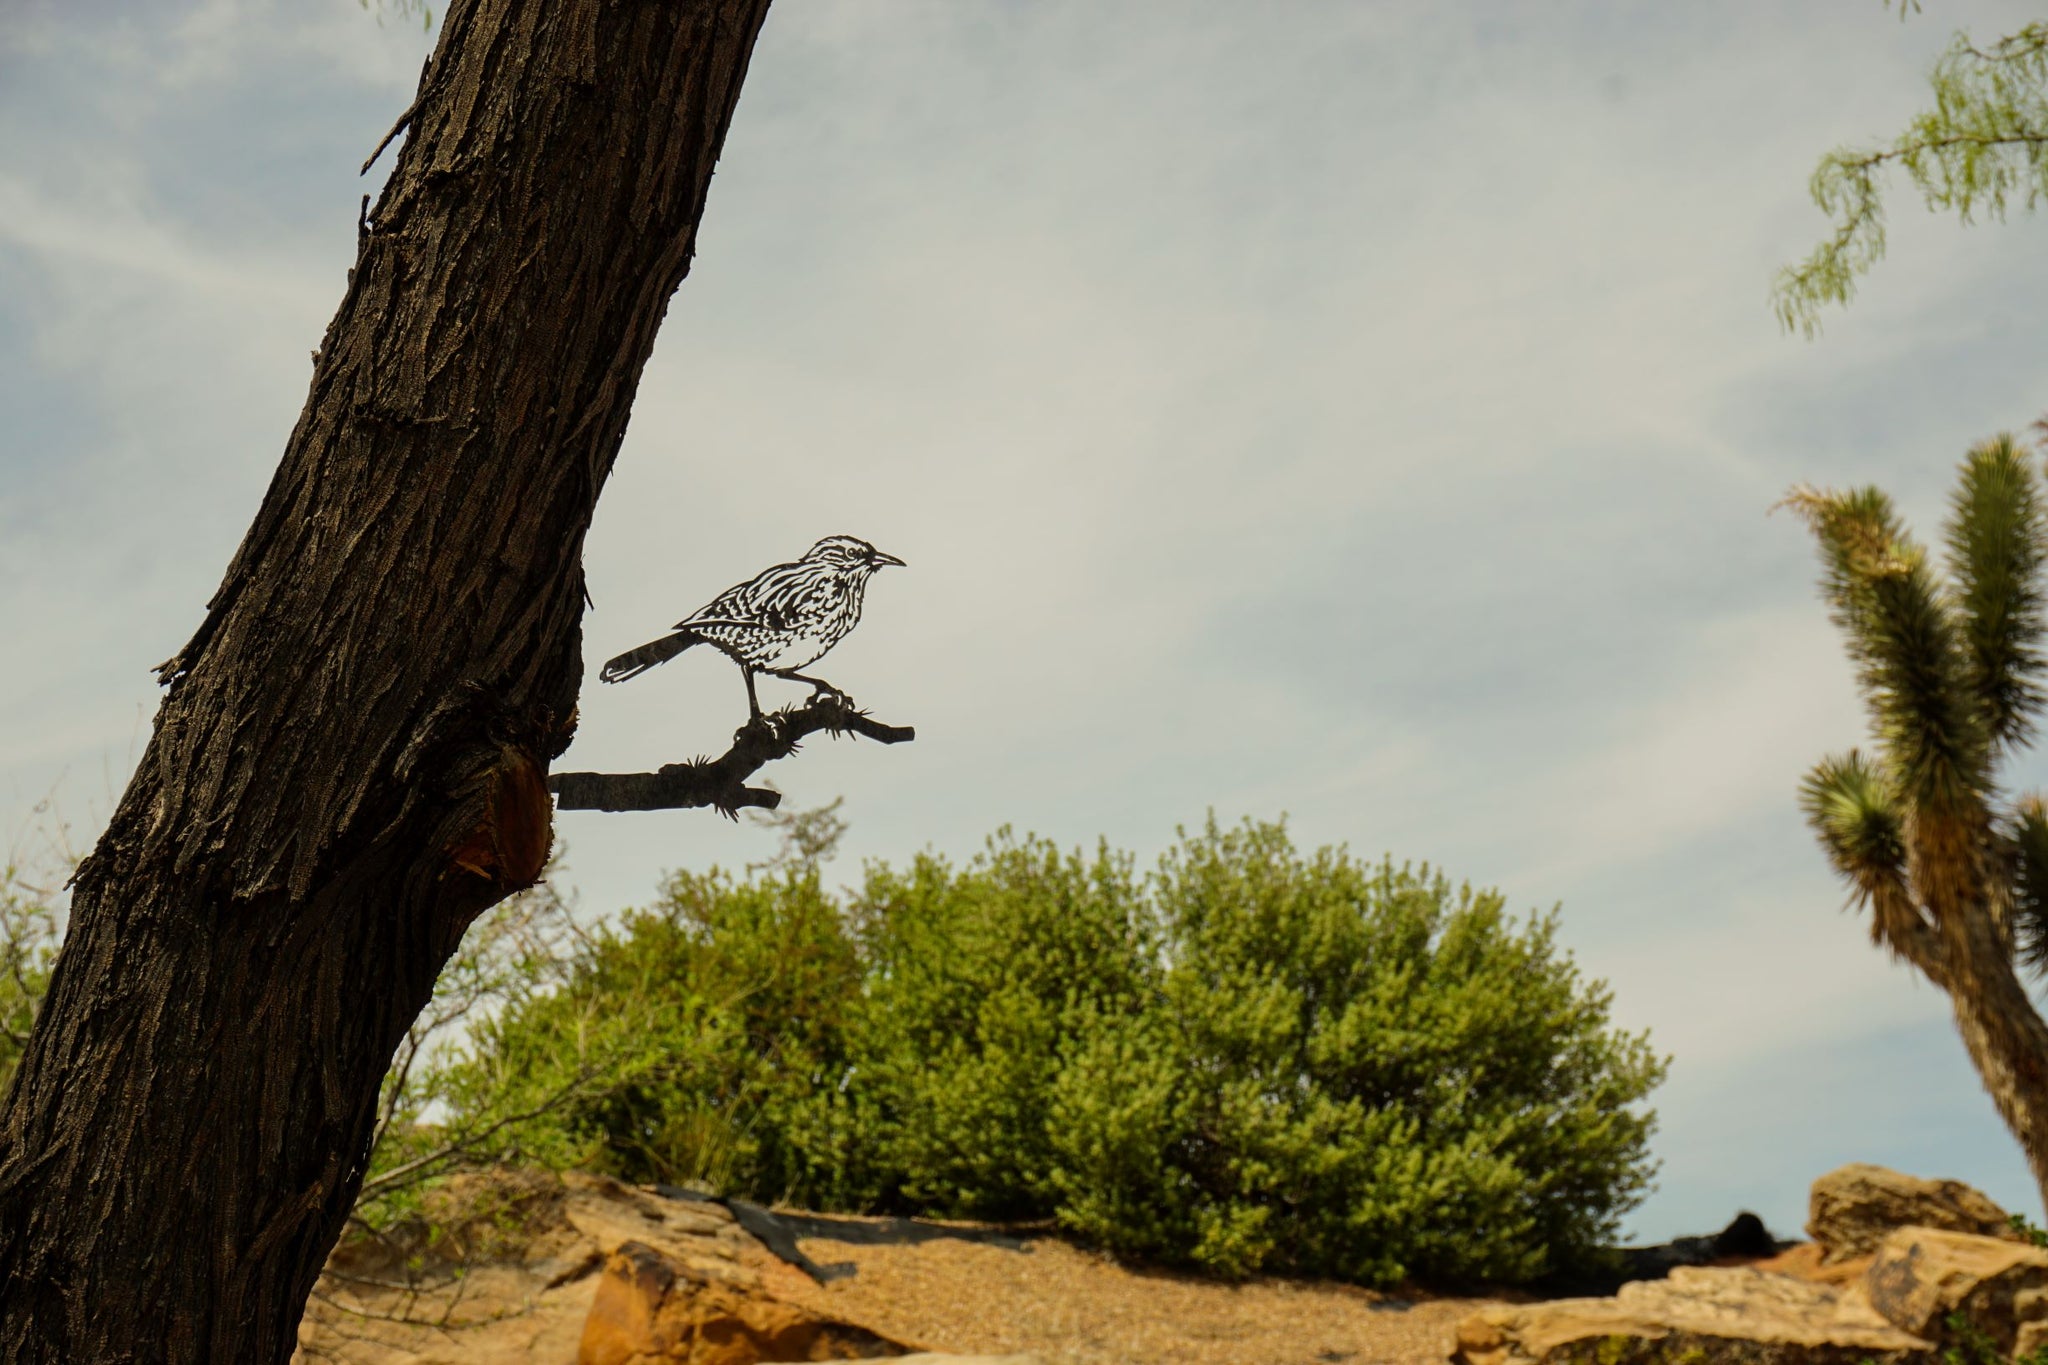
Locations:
{"points": [[764, 599]]}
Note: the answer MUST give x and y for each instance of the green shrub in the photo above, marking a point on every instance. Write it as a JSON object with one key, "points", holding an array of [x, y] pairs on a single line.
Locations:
{"points": [[755, 977], [979, 985], [1353, 1071], [678, 1045], [30, 927], [1248, 1061]]}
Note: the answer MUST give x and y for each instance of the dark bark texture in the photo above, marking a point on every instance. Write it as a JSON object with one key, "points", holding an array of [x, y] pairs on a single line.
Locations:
{"points": [[351, 761]]}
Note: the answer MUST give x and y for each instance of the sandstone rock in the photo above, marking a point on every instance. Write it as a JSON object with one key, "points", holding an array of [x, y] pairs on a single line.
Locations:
{"points": [[1851, 1210], [653, 1309], [1698, 1316], [508, 1270], [1922, 1275], [1803, 1261]]}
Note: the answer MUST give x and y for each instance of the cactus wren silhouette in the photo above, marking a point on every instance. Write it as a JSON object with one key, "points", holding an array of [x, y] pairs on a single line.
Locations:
{"points": [[782, 619]]}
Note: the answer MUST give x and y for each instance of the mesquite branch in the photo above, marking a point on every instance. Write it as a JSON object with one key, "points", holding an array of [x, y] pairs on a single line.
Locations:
{"points": [[721, 782]]}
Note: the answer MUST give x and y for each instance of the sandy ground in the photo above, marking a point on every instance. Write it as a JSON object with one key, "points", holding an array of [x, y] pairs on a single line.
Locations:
{"points": [[1071, 1307], [932, 1287]]}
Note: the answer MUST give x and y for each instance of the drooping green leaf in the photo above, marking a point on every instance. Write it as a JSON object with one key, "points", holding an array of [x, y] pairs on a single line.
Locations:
{"points": [[1982, 147]]}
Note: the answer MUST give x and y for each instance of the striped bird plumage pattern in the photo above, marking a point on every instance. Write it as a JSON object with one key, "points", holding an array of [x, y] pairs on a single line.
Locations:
{"points": [[781, 620], [786, 618]]}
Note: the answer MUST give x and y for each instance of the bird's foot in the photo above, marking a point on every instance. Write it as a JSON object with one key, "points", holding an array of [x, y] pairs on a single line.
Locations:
{"points": [[825, 694], [819, 688]]}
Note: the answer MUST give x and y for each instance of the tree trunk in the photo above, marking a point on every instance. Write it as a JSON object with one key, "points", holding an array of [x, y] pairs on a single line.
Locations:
{"points": [[2005, 1036], [351, 760]]}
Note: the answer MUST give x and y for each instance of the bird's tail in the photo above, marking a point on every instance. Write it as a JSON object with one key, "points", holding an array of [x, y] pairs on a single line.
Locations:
{"points": [[634, 662]]}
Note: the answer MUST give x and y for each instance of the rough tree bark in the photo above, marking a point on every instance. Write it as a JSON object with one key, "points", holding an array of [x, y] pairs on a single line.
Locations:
{"points": [[1964, 945], [2008, 1044], [350, 763]]}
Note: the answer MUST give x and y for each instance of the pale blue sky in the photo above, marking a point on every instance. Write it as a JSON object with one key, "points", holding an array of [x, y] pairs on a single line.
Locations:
{"points": [[1362, 412]]}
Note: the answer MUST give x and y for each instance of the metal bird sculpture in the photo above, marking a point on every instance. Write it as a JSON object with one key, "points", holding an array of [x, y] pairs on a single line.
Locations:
{"points": [[783, 619]]}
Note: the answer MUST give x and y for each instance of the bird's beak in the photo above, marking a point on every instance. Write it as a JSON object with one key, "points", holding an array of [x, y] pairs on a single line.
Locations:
{"points": [[881, 559]]}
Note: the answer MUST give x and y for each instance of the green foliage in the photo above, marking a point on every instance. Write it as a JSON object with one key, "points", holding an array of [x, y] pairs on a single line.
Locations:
{"points": [[1855, 807], [1954, 875], [1360, 1072], [2029, 834], [979, 982], [644, 1047], [743, 985], [30, 922], [404, 9], [1903, 632], [461, 1092], [1951, 669], [1972, 1345], [1997, 537], [1982, 147], [1249, 1060]]}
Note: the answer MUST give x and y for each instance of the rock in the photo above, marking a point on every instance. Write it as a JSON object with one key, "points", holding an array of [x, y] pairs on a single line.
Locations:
{"points": [[1803, 1261], [1698, 1316], [654, 1309], [1922, 1275], [1744, 1238], [508, 1264], [1851, 1210]]}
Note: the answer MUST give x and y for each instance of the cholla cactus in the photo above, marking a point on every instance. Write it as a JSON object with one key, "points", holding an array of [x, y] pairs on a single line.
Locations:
{"points": [[1953, 874]]}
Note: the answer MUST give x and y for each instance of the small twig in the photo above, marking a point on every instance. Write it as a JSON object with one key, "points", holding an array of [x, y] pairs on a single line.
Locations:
{"points": [[404, 1317], [401, 1175], [340, 1307], [1872, 160], [411, 111], [404, 1287], [721, 782], [394, 1087]]}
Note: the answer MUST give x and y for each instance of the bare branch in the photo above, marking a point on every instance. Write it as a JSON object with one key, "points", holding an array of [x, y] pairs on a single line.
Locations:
{"points": [[721, 782], [395, 1083], [405, 1318], [413, 1170]]}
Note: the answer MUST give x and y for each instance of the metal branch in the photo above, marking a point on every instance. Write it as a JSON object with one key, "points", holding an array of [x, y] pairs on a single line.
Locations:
{"points": [[721, 782]]}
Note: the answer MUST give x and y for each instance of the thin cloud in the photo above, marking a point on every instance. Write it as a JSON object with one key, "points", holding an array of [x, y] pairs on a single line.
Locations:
{"points": [[1365, 412]]}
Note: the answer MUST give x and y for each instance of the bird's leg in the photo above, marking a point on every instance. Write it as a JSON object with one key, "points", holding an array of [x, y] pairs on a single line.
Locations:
{"points": [[753, 703], [818, 685]]}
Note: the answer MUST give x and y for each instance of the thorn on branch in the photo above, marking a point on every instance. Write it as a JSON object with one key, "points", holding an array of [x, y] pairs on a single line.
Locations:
{"points": [[721, 782]]}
